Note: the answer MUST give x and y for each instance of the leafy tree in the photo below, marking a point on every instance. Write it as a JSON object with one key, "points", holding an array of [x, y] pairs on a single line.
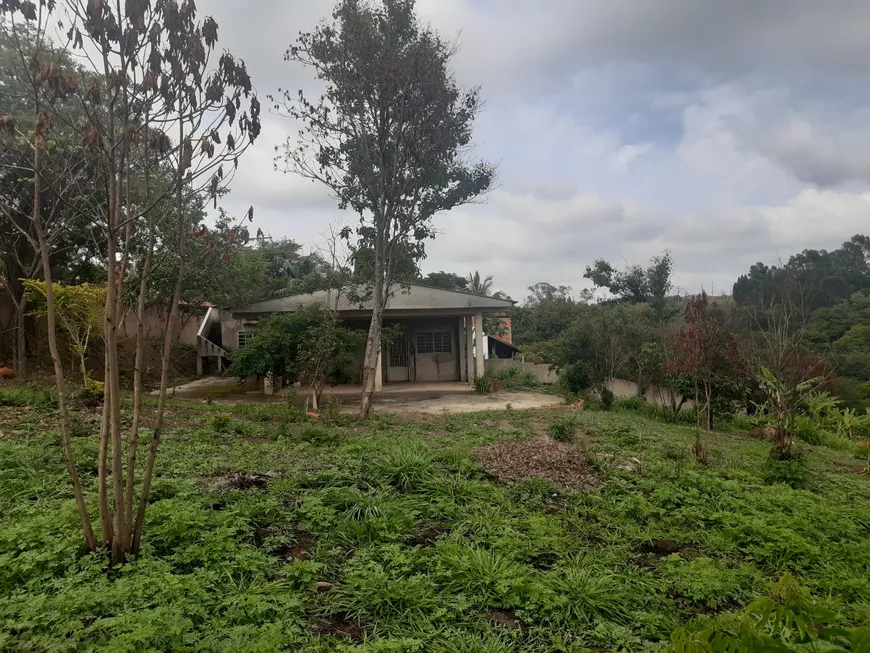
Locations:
{"points": [[708, 353], [387, 137], [479, 285], [544, 315], [150, 70], [446, 280], [309, 345], [79, 309], [636, 284]]}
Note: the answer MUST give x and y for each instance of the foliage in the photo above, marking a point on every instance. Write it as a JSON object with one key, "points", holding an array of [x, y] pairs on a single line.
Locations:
{"points": [[388, 137], [80, 310], [514, 377], [308, 343], [784, 400], [708, 354], [482, 385], [563, 428], [418, 549]]}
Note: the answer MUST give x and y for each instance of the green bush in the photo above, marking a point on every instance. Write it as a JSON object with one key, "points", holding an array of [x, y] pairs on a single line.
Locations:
{"points": [[563, 428], [575, 378], [482, 385], [318, 435], [793, 471], [91, 394], [220, 423], [607, 398], [630, 403], [516, 378]]}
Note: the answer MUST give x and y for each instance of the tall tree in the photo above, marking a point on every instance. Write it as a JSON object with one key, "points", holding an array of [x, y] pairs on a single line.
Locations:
{"points": [[387, 137], [479, 285], [150, 76]]}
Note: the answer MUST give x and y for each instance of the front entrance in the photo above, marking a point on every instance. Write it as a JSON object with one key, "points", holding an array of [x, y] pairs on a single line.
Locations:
{"points": [[398, 360]]}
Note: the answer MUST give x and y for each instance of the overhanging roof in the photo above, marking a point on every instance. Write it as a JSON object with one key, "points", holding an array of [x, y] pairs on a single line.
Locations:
{"points": [[404, 300]]}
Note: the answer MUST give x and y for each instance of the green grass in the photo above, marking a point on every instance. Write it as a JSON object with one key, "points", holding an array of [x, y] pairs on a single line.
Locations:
{"points": [[414, 547]]}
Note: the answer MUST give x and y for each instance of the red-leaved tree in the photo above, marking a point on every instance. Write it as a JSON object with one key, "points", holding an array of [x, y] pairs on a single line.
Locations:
{"points": [[708, 354]]}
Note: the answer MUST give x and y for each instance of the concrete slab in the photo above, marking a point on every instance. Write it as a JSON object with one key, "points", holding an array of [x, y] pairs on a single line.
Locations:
{"points": [[427, 398]]}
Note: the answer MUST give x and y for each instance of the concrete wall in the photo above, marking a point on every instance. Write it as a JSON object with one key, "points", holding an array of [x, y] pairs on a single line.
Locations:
{"points": [[183, 332], [434, 367], [654, 395], [542, 372]]}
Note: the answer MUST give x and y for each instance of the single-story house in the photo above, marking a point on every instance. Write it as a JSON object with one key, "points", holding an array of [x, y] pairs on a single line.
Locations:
{"points": [[439, 340]]}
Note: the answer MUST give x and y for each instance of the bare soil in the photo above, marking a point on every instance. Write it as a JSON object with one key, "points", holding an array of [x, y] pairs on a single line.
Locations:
{"points": [[511, 461]]}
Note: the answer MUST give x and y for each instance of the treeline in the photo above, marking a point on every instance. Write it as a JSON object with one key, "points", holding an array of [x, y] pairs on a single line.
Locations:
{"points": [[814, 308]]}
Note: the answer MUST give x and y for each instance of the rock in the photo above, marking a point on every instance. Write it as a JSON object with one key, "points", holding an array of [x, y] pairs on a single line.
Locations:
{"points": [[322, 586]]}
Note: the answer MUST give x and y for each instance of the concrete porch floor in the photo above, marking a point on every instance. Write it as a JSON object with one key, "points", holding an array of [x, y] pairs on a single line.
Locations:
{"points": [[430, 398]]}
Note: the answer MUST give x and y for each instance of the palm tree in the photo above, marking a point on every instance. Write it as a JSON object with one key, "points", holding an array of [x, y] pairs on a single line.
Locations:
{"points": [[478, 285]]}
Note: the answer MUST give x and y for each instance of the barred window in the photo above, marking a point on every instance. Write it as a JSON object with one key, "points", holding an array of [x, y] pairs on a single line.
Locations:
{"points": [[245, 338], [434, 342]]}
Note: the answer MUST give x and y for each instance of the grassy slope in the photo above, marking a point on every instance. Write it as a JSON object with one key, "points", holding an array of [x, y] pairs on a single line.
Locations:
{"points": [[524, 568]]}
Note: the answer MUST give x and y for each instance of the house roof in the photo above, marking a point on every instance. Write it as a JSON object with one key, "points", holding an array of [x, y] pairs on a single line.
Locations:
{"points": [[404, 300], [503, 343]]}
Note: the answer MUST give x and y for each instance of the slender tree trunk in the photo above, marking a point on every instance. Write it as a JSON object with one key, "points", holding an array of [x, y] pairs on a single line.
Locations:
{"points": [[51, 319], [370, 366], [105, 510], [137, 381], [373, 342], [21, 338], [164, 367], [113, 381]]}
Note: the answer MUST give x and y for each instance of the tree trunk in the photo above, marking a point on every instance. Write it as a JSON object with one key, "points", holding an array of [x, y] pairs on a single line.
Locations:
{"points": [[164, 364], [21, 339], [137, 383], [370, 366], [51, 319], [102, 490], [373, 341]]}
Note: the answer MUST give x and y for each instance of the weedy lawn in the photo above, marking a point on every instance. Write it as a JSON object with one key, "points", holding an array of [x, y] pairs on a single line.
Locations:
{"points": [[272, 533]]}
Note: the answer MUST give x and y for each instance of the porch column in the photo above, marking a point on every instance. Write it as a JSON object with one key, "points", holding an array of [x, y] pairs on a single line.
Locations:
{"points": [[463, 356], [379, 371], [478, 344], [469, 351], [198, 364]]}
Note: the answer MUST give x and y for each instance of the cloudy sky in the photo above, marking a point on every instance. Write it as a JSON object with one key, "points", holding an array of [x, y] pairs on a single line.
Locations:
{"points": [[728, 132]]}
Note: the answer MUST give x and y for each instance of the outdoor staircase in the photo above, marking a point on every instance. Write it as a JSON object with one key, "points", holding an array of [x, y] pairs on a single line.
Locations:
{"points": [[206, 349]]}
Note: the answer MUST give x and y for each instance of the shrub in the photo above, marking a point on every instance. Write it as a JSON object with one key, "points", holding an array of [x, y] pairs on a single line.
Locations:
{"points": [[584, 594], [318, 435], [792, 471], [405, 468], [563, 428], [574, 378], [220, 423], [607, 398], [91, 394], [630, 403], [481, 385], [516, 378]]}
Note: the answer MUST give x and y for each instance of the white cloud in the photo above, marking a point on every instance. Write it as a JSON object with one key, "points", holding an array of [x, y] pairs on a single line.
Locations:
{"points": [[729, 132]]}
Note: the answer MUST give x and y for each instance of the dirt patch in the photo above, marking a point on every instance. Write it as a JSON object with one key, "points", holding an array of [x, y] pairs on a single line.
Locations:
{"points": [[338, 625], [661, 548], [503, 618], [510, 462], [427, 535], [241, 480], [301, 550]]}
